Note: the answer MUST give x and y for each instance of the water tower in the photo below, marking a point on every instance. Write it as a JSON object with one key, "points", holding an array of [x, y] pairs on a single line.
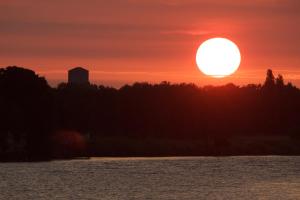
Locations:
{"points": [[78, 75]]}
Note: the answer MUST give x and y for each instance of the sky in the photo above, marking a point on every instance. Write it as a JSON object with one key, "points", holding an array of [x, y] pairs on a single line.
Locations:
{"points": [[124, 41]]}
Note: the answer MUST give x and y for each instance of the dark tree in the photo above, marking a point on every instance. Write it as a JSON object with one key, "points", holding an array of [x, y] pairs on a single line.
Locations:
{"points": [[279, 81], [270, 79], [25, 111]]}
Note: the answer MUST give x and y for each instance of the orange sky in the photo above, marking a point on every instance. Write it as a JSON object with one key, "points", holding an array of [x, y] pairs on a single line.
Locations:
{"points": [[123, 41]]}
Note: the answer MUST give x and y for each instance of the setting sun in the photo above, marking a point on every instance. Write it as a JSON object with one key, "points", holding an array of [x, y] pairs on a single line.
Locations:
{"points": [[218, 57]]}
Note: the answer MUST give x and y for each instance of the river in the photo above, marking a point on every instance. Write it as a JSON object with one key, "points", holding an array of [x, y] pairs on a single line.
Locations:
{"points": [[245, 177]]}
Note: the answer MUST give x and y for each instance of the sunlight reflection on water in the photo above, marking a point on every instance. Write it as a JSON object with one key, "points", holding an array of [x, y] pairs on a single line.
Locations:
{"points": [[268, 177]]}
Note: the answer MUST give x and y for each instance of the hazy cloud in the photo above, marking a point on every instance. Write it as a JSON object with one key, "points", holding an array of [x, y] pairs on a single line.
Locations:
{"points": [[151, 31]]}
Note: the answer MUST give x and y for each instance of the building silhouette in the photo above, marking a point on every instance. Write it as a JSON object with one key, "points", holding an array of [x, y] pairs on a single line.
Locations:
{"points": [[78, 75]]}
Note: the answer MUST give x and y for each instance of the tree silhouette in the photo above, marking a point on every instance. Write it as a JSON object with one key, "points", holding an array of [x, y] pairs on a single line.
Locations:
{"points": [[25, 110], [279, 81], [39, 122], [270, 79]]}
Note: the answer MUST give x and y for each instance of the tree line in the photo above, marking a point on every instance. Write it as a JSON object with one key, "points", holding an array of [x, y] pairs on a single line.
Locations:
{"points": [[41, 122]]}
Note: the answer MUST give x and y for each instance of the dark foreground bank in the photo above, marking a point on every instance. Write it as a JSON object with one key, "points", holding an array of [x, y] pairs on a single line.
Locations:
{"points": [[143, 147]]}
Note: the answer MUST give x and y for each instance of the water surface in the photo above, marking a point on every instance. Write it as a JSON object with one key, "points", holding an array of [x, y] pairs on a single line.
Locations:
{"points": [[266, 177]]}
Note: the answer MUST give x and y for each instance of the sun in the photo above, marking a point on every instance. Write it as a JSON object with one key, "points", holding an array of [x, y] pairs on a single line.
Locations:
{"points": [[218, 57]]}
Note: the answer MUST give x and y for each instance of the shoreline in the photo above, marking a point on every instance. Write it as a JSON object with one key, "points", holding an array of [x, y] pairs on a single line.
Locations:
{"points": [[146, 157]]}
